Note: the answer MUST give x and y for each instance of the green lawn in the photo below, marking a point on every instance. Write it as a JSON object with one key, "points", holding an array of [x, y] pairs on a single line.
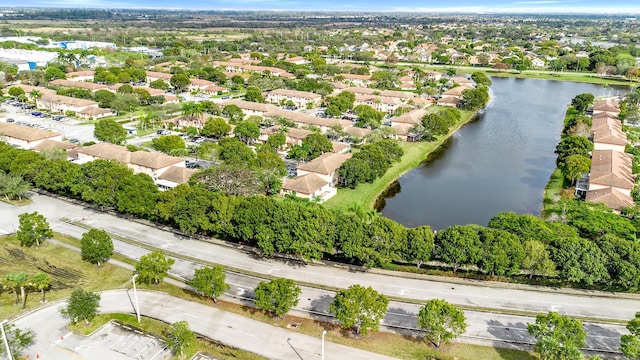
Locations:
{"points": [[65, 267], [365, 195]]}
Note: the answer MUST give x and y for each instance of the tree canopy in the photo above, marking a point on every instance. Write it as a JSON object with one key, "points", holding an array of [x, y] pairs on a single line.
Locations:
{"points": [[441, 321], [210, 281], [277, 296], [33, 229], [557, 336], [96, 246], [82, 305], [110, 131], [153, 267], [359, 308]]}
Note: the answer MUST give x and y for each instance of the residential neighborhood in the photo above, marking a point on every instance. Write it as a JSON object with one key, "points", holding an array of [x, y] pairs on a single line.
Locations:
{"points": [[250, 183]]}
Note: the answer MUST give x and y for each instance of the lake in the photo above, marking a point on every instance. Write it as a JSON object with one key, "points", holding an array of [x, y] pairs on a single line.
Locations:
{"points": [[500, 162]]}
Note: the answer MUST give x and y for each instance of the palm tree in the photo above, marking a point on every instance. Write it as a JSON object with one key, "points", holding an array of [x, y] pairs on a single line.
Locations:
{"points": [[18, 281], [41, 282]]}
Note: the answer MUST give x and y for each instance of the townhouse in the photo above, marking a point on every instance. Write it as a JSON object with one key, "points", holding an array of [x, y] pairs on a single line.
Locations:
{"points": [[301, 99], [26, 137]]}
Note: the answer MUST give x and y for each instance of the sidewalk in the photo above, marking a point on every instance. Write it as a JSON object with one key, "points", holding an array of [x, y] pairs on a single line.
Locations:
{"points": [[228, 328]]}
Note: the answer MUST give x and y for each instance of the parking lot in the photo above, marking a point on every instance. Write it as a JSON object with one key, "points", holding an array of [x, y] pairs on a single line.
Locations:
{"points": [[69, 128], [116, 342]]}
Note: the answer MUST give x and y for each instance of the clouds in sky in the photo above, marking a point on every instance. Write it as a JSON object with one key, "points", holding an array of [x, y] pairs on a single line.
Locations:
{"points": [[574, 6]]}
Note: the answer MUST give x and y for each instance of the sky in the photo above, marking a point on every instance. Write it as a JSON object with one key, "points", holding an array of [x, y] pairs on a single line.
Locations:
{"points": [[414, 6]]}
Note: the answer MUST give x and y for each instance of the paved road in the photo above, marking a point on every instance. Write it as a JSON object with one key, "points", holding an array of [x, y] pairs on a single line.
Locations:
{"points": [[483, 326], [231, 329]]}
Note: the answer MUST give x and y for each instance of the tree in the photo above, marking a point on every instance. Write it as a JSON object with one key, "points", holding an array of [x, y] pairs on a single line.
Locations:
{"points": [[537, 259], [82, 305], [502, 252], [216, 128], [104, 98], [110, 131], [582, 101], [419, 245], [574, 166], [33, 229], [125, 89], [277, 140], [159, 84], [359, 308], [474, 99], [17, 340], [124, 102], [481, 78], [15, 92], [210, 282], [353, 172], [254, 94], [558, 337], [316, 145], [54, 72], [368, 116], [630, 343], [180, 82], [40, 282], [18, 282], [435, 125], [247, 131], [13, 186], [153, 267], [180, 337], [233, 113], [573, 145], [441, 321], [384, 79], [137, 195], [35, 94], [96, 246], [458, 245], [168, 143], [277, 296]]}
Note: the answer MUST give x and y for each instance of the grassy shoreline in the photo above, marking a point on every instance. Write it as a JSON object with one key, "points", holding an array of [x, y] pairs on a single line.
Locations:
{"points": [[575, 76], [365, 195]]}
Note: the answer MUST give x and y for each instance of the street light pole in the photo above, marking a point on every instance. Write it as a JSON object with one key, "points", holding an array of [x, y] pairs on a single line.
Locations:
{"points": [[324, 332], [4, 339], [135, 296]]}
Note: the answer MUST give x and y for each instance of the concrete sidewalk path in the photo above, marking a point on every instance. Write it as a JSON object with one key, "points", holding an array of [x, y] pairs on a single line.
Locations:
{"points": [[228, 328]]}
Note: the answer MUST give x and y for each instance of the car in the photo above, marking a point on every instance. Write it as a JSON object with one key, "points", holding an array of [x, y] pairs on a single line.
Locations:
{"points": [[57, 117], [184, 136], [74, 140], [226, 97], [36, 113], [163, 132], [10, 120], [197, 139]]}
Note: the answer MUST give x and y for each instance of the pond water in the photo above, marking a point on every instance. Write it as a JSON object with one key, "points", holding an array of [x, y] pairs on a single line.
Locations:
{"points": [[500, 162]]}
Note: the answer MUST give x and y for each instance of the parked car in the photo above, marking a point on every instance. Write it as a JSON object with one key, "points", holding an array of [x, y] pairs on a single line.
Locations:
{"points": [[10, 120], [36, 113], [197, 139], [57, 117], [74, 140], [163, 132]]}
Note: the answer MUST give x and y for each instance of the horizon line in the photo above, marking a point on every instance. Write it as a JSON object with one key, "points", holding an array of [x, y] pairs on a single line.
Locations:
{"points": [[583, 11]]}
